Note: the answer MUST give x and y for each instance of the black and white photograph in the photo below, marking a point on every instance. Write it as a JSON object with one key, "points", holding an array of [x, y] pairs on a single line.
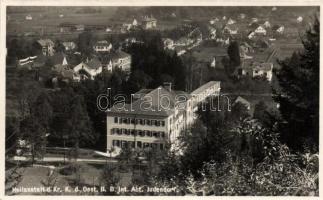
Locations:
{"points": [[161, 100]]}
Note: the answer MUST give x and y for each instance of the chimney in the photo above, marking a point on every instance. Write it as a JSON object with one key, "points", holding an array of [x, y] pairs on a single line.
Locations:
{"points": [[168, 86]]}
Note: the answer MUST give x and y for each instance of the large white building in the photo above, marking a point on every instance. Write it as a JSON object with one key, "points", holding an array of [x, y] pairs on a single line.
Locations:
{"points": [[155, 118]]}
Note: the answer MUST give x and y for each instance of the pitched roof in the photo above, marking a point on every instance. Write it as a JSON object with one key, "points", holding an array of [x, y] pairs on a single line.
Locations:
{"points": [[205, 86], [242, 100], [102, 43], [152, 99], [94, 63], [45, 42]]}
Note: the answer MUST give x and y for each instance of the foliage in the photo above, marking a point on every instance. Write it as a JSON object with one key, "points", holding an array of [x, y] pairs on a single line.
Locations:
{"points": [[299, 94]]}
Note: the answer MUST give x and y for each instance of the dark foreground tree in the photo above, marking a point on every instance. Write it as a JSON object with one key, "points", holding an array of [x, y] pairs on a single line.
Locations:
{"points": [[299, 93]]}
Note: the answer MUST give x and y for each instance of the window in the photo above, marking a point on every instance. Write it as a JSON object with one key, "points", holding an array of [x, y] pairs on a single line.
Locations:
{"points": [[115, 119], [127, 132], [132, 121], [139, 144], [132, 132], [124, 120], [116, 143], [142, 122], [153, 122], [118, 131], [148, 122], [163, 123], [157, 123], [162, 134], [148, 133], [161, 146], [112, 131]]}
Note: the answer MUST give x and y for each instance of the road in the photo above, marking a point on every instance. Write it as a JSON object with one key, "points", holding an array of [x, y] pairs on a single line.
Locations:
{"points": [[61, 159]]}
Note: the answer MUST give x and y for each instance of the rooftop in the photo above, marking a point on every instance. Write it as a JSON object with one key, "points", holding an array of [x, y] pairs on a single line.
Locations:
{"points": [[206, 86], [151, 102]]}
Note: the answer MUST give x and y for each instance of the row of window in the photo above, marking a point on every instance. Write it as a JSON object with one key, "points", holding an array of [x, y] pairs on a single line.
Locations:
{"points": [[142, 133], [149, 122], [126, 144]]}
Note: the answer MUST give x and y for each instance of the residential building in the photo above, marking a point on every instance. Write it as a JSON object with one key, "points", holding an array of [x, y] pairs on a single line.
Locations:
{"points": [[243, 101], [231, 21], [79, 27], [102, 46], [267, 24], [156, 117], [47, 46], [89, 69], [117, 59], [168, 43], [280, 29], [29, 17], [255, 69], [260, 30], [299, 19], [149, 22], [69, 46], [232, 29]]}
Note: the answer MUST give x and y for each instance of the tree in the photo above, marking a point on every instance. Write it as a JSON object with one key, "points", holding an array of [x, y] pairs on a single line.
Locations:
{"points": [[298, 95], [79, 125], [85, 44], [234, 54], [35, 136], [59, 47], [261, 113]]}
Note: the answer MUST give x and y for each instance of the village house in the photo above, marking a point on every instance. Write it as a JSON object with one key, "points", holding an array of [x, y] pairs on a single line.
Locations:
{"points": [[69, 46], [231, 29], [231, 21], [168, 43], [158, 124], [214, 20], [29, 17], [102, 46], [183, 41], [255, 69], [243, 101], [267, 24], [260, 30], [117, 59], [149, 22], [299, 19], [47, 46], [212, 32], [242, 16], [88, 69], [280, 30], [79, 27]]}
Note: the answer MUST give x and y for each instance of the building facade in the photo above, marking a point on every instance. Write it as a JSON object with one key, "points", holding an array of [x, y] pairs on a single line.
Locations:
{"points": [[155, 118]]}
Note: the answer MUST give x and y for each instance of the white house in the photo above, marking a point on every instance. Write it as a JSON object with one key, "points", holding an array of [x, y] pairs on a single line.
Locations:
{"points": [[168, 43], [299, 19], [47, 46], [251, 35], [242, 16], [231, 21], [256, 69], [29, 17], [102, 46], [88, 69], [69, 46], [280, 30], [260, 30], [231, 29], [267, 24], [118, 59]]}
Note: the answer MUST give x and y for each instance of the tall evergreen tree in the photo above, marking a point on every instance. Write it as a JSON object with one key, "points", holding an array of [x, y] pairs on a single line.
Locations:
{"points": [[298, 95]]}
